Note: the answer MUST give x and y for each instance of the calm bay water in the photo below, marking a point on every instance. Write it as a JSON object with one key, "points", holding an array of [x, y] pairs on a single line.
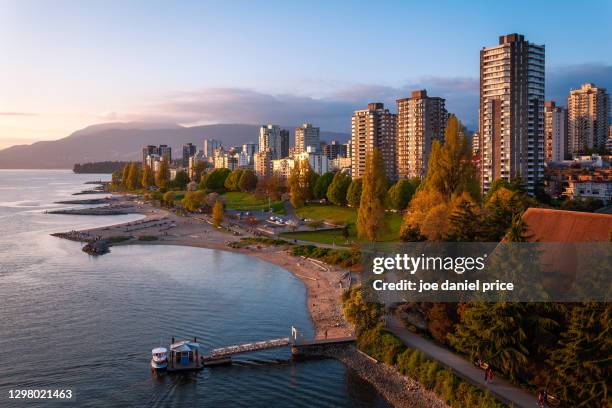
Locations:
{"points": [[68, 320]]}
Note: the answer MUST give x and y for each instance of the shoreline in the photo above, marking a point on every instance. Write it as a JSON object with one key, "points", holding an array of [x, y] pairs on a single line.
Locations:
{"points": [[324, 288]]}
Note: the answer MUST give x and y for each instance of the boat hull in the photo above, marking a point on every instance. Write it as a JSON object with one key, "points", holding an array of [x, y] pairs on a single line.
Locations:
{"points": [[159, 366]]}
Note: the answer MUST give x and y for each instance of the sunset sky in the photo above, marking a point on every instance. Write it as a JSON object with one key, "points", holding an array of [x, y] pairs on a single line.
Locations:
{"points": [[69, 64]]}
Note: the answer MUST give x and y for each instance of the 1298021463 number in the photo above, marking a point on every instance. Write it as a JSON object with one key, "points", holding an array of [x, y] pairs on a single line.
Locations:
{"points": [[64, 394]]}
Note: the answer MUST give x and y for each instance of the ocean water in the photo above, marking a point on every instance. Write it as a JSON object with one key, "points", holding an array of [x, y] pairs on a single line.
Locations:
{"points": [[71, 321]]}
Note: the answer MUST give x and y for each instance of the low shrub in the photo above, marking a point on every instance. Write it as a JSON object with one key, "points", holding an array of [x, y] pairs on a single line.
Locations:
{"points": [[341, 257], [147, 238], [117, 239]]}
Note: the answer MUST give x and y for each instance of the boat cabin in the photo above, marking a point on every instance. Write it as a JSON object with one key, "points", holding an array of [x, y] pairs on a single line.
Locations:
{"points": [[184, 355]]}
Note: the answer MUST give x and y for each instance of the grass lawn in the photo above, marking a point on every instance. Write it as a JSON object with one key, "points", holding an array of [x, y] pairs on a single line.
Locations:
{"points": [[339, 215], [248, 202]]}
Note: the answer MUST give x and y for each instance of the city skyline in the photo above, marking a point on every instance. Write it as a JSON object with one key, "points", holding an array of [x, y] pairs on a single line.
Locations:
{"points": [[186, 73]]}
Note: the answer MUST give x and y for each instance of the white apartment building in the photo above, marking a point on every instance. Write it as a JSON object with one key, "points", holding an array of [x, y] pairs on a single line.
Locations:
{"points": [[318, 162], [589, 187], [555, 132]]}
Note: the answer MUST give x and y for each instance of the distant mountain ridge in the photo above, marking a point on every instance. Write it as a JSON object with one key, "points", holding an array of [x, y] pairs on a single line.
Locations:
{"points": [[124, 141]]}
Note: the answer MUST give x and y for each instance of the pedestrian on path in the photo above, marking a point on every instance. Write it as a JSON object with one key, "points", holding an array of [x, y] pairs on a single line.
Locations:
{"points": [[540, 399], [489, 375]]}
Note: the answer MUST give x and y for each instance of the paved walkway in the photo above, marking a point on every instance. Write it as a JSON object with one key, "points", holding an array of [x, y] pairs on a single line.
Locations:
{"points": [[502, 389]]}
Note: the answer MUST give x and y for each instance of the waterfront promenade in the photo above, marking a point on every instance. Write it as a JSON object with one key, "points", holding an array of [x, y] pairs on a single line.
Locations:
{"points": [[500, 388]]}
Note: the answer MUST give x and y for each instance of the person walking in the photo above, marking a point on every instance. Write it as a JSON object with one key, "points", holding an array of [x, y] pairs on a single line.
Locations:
{"points": [[540, 399], [490, 375]]}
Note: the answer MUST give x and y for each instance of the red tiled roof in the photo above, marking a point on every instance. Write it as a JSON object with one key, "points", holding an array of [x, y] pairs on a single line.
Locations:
{"points": [[548, 225]]}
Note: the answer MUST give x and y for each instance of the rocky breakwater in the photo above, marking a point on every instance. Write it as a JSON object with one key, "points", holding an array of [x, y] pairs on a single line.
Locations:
{"points": [[99, 247], [398, 390]]}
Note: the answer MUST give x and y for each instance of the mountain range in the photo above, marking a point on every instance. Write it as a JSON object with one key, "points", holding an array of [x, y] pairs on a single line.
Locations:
{"points": [[124, 142]]}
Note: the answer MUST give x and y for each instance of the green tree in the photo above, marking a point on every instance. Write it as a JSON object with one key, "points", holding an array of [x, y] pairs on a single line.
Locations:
{"points": [[193, 200], [148, 178], [501, 333], [162, 177], [217, 214], [441, 319], [320, 188], [215, 180], [337, 190], [450, 168], [180, 180], [133, 180], [353, 194], [582, 364], [400, 194], [232, 182], [518, 230], [465, 220], [248, 181], [371, 223], [362, 314], [503, 207]]}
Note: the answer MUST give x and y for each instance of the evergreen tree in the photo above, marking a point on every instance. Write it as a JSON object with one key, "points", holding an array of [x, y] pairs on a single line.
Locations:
{"points": [[353, 194], [518, 230], [162, 178], [320, 189], [582, 364], [371, 222], [148, 178], [502, 334], [400, 194], [248, 181], [465, 220], [336, 192], [503, 206]]}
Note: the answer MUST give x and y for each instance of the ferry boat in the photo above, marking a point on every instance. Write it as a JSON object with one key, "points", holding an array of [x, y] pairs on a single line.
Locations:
{"points": [[159, 359]]}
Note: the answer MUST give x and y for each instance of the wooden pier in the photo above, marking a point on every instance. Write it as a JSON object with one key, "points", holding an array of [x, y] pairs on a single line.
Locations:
{"points": [[299, 347], [247, 347]]}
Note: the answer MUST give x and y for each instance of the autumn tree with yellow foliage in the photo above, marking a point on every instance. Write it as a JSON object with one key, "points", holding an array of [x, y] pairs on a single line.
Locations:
{"points": [[451, 182]]}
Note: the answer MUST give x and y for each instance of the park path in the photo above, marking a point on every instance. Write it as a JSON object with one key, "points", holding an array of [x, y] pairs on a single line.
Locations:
{"points": [[500, 388]]}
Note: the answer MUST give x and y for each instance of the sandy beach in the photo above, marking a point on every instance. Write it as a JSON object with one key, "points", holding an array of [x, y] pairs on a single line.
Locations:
{"points": [[322, 282]]}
